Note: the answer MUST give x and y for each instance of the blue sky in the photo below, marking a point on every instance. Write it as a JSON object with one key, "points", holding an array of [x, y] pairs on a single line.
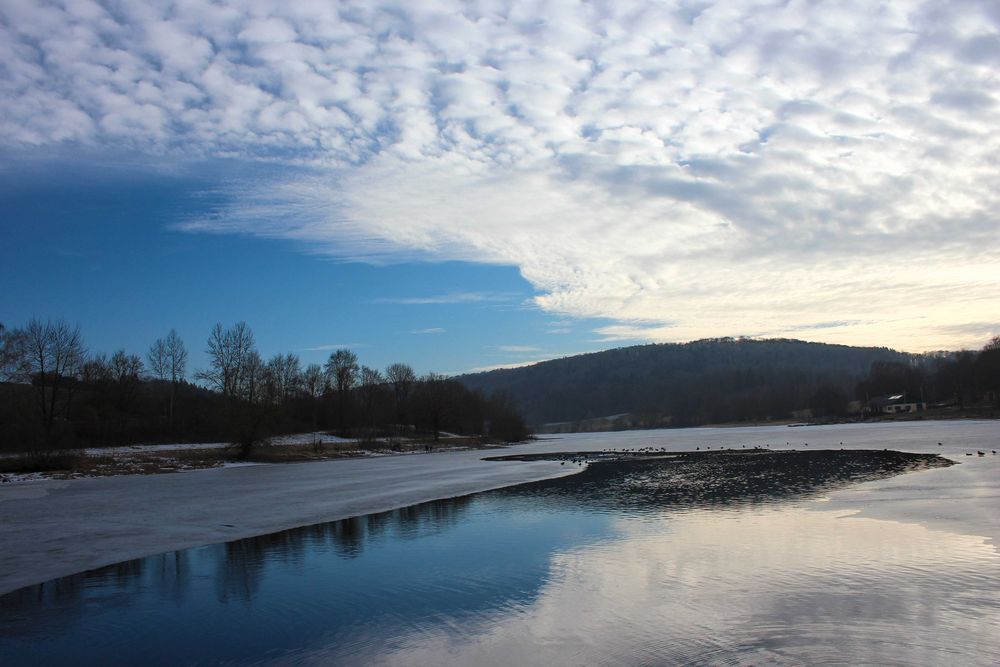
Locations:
{"points": [[97, 245], [524, 180]]}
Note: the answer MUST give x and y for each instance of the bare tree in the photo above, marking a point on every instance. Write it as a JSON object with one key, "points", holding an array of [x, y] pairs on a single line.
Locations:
{"points": [[312, 380], [371, 383], [313, 384], [253, 378], [237, 372], [126, 372], [434, 401], [271, 380], [95, 369], [156, 357], [125, 367], [96, 375], [231, 365], [401, 377], [53, 356], [177, 363], [342, 374], [13, 352], [371, 377], [168, 361], [342, 370], [284, 376], [177, 356]]}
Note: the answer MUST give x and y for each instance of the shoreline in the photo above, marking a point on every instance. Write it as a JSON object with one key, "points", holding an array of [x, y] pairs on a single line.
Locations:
{"points": [[155, 459], [968, 415], [160, 458]]}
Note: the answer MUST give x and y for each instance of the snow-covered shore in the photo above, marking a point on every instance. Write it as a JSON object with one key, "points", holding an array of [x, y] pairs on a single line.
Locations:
{"points": [[51, 528]]}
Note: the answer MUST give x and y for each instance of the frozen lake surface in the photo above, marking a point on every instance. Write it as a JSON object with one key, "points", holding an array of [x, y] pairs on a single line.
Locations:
{"points": [[703, 567]]}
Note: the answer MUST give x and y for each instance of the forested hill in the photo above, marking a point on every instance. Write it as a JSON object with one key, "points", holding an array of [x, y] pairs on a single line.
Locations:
{"points": [[702, 382]]}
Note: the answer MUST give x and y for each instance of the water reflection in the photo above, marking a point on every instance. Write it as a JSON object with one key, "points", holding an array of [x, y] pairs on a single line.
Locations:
{"points": [[242, 563], [65, 601], [819, 588], [698, 560]]}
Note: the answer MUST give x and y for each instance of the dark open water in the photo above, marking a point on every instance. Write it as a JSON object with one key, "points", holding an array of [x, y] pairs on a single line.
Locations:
{"points": [[708, 559]]}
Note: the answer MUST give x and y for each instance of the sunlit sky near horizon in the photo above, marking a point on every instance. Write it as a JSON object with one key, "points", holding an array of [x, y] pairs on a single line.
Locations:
{"points": [[478, 184]]}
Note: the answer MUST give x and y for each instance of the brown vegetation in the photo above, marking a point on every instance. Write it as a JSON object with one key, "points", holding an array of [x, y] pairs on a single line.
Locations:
{"points": [[66, 464]]}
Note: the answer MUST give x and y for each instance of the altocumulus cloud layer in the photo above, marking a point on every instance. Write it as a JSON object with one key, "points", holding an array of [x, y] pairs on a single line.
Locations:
{"points": [[825, 170]]}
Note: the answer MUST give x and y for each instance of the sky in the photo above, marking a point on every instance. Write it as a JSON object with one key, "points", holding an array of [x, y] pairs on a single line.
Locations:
{"points": [[479, 184]]}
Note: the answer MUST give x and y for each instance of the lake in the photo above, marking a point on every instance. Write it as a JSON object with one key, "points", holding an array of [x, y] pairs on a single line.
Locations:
{"points": [[729, 558]]}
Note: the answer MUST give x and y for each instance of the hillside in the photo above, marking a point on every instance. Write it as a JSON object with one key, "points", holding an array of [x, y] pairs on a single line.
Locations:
{"points": [[701, 382]]}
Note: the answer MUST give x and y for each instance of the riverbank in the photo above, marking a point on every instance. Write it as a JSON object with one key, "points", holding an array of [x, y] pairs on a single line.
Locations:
{"points": [[182, 457], [950, 413]]}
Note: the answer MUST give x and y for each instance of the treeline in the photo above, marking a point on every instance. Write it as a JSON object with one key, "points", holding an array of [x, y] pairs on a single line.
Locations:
{"points": [[727, 380], [54, 393], [966, 379]]}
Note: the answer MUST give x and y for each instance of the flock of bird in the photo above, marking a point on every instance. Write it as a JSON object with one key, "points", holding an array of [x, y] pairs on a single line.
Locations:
{"points": [[652, 451]]}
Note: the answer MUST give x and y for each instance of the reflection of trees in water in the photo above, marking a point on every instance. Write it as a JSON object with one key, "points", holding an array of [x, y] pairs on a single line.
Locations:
{"points": [[433, 517], [715, 479], [242, 562], [58, 597], [239, 570], [172, 571], [349, 537], [239, 565], [63, 601]]}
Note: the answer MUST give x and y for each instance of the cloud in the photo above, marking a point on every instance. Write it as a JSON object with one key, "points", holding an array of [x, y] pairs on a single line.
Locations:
{"points": [[705, 170], [559, 327], [326, 347], [498, 367], [978, 333], [534, 356], [631, 331], [431, 330], [449, 298]]}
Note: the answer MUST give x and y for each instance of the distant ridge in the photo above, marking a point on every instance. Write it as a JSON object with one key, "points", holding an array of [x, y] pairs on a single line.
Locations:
{"points": [[685, 384]]}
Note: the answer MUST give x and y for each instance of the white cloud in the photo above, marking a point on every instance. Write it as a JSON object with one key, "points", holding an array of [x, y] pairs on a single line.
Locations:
{"points": [[693, 170], [534, 356], [518, 348], [498, 367], [327, 347], [449, 298], [431, 330]]}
